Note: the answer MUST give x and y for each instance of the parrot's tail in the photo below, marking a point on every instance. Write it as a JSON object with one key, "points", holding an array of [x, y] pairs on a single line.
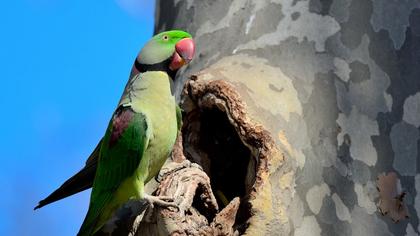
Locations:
{"points": [[77, 183]]}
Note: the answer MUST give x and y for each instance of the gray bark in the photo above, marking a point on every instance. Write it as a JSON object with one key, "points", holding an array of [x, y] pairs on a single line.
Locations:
{"points": [[335, 84]]}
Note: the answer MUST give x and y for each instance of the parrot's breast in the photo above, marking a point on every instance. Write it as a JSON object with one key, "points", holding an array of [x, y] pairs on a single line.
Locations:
{"points": [[151, 95]]}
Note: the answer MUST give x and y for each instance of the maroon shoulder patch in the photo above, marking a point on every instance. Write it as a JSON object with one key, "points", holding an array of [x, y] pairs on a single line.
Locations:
{"points": [[120, 121]]}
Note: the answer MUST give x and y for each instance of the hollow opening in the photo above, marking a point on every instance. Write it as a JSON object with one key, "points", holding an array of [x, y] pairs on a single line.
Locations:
{"points": [[224, 157], [228, 156]]}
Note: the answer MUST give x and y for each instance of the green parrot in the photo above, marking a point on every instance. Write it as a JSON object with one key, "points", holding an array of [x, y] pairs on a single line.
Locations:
{"points": [[139, 137]]}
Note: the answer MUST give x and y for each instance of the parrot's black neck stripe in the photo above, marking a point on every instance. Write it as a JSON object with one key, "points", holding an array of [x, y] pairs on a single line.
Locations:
{"points": [[161, 66]]}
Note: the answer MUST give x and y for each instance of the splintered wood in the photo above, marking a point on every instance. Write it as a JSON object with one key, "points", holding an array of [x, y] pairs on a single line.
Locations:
{"points": [[198, 211]]}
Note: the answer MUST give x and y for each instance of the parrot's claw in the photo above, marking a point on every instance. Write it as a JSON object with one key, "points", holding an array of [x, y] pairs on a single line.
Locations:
{"points": [[162, 201]]}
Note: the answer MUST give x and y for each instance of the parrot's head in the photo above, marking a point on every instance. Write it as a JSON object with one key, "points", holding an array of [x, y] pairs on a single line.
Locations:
{"points": [[167, 51]]}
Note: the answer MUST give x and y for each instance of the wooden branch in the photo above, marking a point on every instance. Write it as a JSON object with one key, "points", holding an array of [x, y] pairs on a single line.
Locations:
{"points": [[198, 212]]}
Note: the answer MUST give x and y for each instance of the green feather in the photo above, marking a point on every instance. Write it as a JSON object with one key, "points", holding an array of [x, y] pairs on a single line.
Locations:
{"points": [[117, 162]]}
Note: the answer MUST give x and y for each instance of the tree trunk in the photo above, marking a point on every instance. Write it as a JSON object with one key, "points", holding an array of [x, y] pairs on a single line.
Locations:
{"points": [[303, 118]]}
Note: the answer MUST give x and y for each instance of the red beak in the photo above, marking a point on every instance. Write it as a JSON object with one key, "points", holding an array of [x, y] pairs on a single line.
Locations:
{"points": [[184, 53], [186, 48]]}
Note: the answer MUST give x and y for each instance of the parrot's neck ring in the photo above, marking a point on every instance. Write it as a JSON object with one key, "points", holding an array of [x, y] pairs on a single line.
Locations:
{"points": [[160, 66]]}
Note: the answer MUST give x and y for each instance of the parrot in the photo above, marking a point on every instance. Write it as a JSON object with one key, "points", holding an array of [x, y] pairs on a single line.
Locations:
{"points": [[139, 136]]}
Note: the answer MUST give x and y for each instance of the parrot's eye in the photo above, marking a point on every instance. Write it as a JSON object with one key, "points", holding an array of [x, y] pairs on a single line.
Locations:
{"points": [[165, 37]]}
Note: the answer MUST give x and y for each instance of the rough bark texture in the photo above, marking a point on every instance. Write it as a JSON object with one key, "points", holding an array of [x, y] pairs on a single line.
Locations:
{"points": [[333, 84]]}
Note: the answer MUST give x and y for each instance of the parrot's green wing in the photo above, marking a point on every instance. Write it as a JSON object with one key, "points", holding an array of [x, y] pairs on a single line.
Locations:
{"points": [[122, 149]]}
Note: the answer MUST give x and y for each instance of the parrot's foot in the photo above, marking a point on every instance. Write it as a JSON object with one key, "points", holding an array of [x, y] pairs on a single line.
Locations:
{"points": [[163, 201]]}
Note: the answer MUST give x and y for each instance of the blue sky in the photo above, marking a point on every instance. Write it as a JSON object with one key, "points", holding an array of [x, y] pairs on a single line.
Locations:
{"points": [[63, 66]]}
